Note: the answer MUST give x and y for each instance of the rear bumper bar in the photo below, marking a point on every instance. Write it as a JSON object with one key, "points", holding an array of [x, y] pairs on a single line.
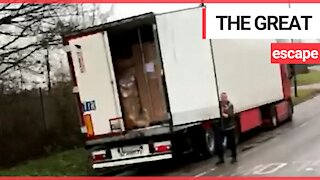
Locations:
{"points": [[132, 135], [132, 161]]}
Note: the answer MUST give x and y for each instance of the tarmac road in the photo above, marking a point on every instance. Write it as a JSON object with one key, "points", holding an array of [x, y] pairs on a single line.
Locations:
{"points": [[293, 149]]}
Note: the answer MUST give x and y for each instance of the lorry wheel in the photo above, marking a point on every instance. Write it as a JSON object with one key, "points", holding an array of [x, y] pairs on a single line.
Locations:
{"points": [[207, 145], [273, 117]]}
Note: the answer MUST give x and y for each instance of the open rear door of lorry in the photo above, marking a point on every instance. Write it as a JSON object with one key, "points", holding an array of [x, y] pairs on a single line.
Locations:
{"points": [[95, 83], [188, 67]]}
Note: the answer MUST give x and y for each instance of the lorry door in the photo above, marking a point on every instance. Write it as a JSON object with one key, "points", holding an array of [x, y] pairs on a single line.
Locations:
{"points": [[188, 67], [96, 81]]}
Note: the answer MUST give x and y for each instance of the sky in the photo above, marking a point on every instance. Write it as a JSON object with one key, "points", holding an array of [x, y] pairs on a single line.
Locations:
{"points": [[127, 9]]}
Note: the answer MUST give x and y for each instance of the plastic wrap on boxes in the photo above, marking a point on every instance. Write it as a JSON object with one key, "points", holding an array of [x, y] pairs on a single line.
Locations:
{"points": [[128, 87], [141, 88], [134, 114]]}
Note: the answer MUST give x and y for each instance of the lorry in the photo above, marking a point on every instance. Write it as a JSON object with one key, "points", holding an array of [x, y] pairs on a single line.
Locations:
{"points": [[148, 87]]}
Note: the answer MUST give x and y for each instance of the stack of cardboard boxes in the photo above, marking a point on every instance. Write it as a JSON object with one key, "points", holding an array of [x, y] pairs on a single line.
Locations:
{"points": [[141, 89], [154, 77]]}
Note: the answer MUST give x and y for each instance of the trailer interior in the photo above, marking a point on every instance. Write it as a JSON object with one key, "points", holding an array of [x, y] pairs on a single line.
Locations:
{"points": [[138, 72]]}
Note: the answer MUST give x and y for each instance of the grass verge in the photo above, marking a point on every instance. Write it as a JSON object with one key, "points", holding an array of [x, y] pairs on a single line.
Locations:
{"points": [[68, 163], [308, 78], [304, 95]]}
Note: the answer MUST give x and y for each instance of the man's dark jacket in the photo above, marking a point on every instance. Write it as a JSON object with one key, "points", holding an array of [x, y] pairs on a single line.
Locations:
{"points": [[229, 122]]}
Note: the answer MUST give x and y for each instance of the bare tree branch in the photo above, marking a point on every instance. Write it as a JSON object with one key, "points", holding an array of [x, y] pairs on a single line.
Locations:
{"points": [[15, 39], [8, 19], [19, 61], [4, 7], [26, 30]]}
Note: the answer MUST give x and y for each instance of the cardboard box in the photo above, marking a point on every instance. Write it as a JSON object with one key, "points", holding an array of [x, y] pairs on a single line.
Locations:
{"points": [[149, 51], [142, 95], [155, 83], [134, 115], [127, 83], [142, 81]]}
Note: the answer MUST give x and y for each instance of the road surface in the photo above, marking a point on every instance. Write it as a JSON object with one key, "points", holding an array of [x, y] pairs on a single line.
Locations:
{"points": [[293, 149]]}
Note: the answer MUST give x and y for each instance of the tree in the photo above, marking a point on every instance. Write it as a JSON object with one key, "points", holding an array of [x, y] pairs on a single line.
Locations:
{"points": [[27, 30]]}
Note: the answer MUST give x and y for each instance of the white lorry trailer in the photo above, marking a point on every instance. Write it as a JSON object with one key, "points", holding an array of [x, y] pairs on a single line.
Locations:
{"points": [[148, 86]]}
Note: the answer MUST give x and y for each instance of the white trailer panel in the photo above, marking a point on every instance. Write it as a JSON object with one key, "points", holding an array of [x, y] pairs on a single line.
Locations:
{"points": [[188, 67], [95, 82], [245, 72]]}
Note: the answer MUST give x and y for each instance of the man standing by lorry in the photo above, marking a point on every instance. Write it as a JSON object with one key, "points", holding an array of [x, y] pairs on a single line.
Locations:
{"points": [[226, 129]]}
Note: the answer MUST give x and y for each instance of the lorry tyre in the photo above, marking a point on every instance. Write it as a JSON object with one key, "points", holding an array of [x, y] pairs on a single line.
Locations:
{"points": [[273, 117], [207, 144]]}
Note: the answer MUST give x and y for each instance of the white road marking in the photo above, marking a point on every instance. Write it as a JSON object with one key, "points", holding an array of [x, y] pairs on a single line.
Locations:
{"points": [[303, 124], [201, 174], [275, 167], [205, 172], [309, 169], [310, 165], [212, 169], [248, 171], [255, 168]]}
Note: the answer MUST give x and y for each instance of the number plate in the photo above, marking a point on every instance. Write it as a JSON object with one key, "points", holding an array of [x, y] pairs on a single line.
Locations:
{"points": [[130, 150]]}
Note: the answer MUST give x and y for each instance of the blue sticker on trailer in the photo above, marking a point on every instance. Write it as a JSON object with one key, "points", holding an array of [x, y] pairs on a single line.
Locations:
{"points": [[89, 106]]}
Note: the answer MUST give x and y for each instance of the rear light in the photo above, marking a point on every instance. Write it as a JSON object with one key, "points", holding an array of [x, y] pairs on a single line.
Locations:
{"points": [[101, 155], [162, 148], [88, 123]]}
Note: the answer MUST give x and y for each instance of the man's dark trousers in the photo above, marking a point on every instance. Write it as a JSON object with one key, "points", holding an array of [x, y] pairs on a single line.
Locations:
{"points": [[231, 142]]}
